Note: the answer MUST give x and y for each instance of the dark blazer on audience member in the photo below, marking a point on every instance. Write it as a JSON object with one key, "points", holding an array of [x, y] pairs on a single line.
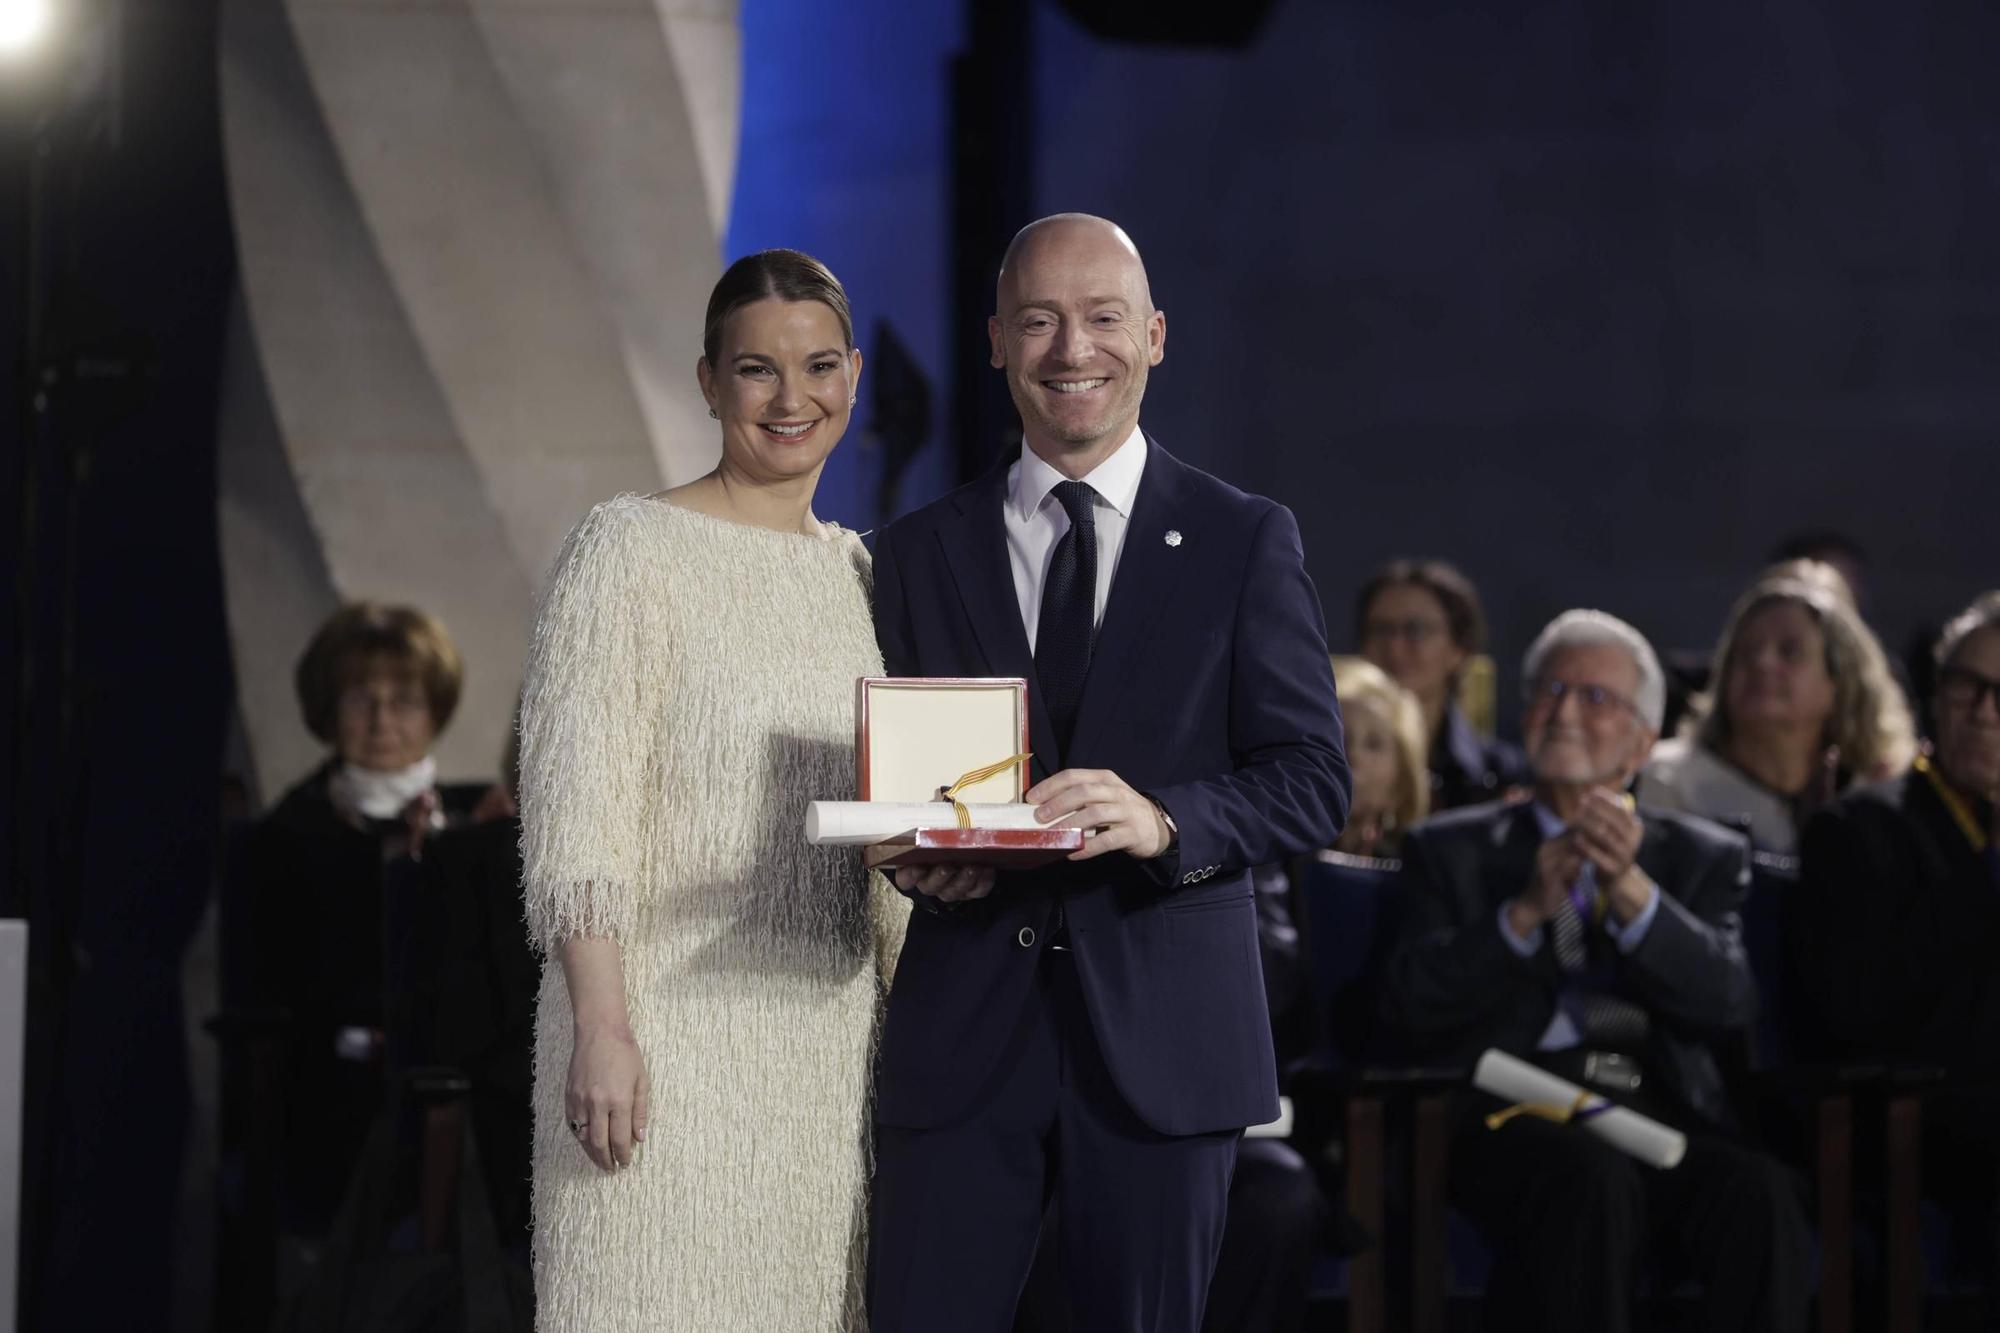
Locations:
{"points": [[325, 919], [1454, 986], [1470, 769], [1899, 927], [1210, 690]]}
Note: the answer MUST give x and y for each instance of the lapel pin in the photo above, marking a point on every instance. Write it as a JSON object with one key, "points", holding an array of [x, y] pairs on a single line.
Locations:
{"points": [[1173, 537]]}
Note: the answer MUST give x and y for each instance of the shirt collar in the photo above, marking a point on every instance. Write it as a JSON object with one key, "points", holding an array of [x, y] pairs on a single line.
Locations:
{"points": [[1116, 479]]}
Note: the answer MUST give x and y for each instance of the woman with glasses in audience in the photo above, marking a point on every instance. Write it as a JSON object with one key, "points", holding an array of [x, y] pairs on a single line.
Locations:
{"points": [[1385, 750], [1420, 621], [1801, 703], [378, 684]]}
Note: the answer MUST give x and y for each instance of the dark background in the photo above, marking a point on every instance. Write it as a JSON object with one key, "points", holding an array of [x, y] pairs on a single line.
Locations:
{"points": [[1599, 301]]}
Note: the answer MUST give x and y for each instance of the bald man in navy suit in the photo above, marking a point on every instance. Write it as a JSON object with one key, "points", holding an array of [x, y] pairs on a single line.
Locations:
{"points": [[1094, 1034]]}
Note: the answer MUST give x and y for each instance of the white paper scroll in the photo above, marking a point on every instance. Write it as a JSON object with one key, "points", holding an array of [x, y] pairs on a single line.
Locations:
{"points": [[860, 823], [1281, 1128], [1518, 1081]]}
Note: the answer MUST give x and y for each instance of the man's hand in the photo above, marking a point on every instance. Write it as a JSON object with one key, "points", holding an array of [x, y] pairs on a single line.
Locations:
{"points": [[1608, 832], [1096, 798], [946, 883], [1557, 864]]}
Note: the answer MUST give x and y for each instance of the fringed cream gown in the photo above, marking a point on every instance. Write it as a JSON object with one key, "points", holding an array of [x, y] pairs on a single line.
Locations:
{"points": [[689, 689]]}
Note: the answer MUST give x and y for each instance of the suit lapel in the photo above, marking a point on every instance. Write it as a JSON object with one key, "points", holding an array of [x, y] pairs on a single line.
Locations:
{"points": [[1517, 836], [975, 550], [1652, 844], [1516, 839], [1148, 571]]}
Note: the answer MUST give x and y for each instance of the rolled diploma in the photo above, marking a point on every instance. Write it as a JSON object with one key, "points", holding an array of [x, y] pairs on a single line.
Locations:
{"points": [[860, 823], [1515, 1080]]}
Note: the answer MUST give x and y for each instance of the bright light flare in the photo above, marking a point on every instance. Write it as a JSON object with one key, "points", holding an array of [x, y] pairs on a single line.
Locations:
{"points": [[23, 24]]}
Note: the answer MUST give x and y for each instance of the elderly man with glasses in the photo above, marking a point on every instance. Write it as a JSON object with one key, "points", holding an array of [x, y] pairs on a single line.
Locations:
{"points": [[1602, 942], [1899, 946]]}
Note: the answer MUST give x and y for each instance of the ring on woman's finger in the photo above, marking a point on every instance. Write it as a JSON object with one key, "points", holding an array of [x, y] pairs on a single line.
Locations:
{"points": [[577, 1127]]}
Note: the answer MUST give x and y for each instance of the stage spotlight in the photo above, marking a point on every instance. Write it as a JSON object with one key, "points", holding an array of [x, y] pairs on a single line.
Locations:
{"points": [[23, 24]]}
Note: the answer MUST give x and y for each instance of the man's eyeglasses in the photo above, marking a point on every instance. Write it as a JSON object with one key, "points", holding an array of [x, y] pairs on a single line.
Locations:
{"points": [[1594, 700], [1960, 689]]}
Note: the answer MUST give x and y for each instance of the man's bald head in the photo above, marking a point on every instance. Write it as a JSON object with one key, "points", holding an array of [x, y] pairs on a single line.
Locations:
{"points": [[1076, 332], [1073, 237]]}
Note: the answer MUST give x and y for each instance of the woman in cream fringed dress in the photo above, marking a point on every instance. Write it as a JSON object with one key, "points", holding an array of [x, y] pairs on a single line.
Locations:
{"points": [[709, 1004]]}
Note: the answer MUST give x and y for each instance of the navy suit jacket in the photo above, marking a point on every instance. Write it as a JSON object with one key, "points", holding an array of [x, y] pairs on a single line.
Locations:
{"points": [[1211, 691]]}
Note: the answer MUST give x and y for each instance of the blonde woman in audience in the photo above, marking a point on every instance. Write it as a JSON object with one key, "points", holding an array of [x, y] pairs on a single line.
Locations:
{"points": [[1385, 752], [1801, 704]]}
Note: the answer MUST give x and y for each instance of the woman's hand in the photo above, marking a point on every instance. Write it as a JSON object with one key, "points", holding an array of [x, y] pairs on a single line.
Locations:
{"points": [[605, 1100], [607, 1094], [947, 883]]}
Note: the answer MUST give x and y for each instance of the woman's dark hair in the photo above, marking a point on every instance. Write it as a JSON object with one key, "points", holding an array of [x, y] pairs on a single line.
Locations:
{"points": [[363, 635], [1440, 579], [788, 275]]}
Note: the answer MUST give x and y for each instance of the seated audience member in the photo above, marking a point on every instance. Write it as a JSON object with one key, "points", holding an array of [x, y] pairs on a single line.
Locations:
{"points": [[377, 684], [1801, 703], [1847, 558], [1385, 751], [1419, 620], [1901, 880], [1601, 942]]}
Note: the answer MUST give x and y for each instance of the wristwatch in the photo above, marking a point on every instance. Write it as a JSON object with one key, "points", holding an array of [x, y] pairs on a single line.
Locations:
{"points": [[1173, 829]]}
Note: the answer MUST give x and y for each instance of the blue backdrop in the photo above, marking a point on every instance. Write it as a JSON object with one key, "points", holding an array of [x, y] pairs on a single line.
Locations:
{"points": [[1598, 301]]}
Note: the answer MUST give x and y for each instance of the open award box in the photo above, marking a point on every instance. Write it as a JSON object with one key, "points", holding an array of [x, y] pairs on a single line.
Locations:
{"points": [[943, 763]]}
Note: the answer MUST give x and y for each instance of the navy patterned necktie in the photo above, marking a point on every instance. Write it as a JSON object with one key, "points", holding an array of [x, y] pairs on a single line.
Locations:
{"points": [[1602, 1018], [1068, 620]]}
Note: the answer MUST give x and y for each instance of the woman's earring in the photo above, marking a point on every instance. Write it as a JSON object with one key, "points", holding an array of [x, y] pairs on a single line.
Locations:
{"points": [[850, 400], [712, 416]]}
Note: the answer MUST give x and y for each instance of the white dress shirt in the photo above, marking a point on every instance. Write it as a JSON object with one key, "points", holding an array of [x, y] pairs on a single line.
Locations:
{"points": [[1036, 521]]}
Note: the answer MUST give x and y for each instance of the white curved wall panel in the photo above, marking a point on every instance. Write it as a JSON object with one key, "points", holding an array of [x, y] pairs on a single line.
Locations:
{"points": [[475, 237]]}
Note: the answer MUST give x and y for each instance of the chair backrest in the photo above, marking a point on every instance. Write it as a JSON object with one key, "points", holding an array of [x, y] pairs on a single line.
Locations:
{"points": [[1773, 879], [1349, 912]]}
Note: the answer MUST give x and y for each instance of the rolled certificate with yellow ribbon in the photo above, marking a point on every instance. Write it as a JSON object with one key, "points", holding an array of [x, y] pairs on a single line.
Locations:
{"points": [[1535, 1091], [860, 823], [960, 812]]}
